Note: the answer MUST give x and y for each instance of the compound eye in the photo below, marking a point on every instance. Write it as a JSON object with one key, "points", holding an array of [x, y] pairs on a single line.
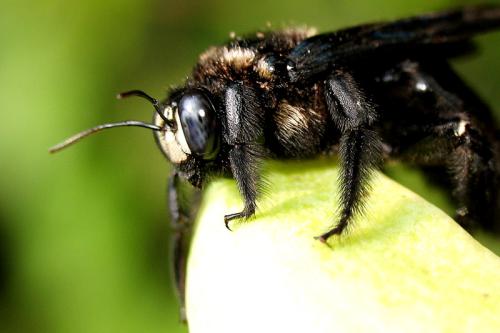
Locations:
{"points": [[199, 124]]}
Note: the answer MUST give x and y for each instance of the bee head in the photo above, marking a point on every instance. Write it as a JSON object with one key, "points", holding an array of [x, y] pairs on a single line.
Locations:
{"points": [[188, 126]]}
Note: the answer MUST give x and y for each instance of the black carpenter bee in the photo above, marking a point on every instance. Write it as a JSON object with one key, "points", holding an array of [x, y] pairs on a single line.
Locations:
{"points": [[369, 93]]}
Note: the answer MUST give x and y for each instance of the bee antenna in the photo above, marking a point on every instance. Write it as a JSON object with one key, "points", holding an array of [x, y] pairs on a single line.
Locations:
{"points": [[77, 137], [153, 101]]}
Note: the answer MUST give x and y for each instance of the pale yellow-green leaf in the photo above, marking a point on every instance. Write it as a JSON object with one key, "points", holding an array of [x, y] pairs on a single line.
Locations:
{"points": [[403, 267]]}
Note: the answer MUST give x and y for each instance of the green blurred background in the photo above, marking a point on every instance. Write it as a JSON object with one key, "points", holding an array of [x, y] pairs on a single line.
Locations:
{"points": [[84, 233]]}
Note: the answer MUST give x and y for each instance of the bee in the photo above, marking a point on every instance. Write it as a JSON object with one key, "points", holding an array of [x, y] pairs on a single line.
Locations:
{"points": [[368, 93]]}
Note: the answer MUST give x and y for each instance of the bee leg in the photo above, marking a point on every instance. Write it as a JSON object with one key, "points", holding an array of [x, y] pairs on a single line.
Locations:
{"points": [[244, 122], [181, 225], [456, 139], [245, 170], [467, 156], [360, 147]]}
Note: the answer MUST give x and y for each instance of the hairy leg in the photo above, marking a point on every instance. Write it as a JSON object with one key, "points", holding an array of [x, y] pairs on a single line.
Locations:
{"points": [[243, 129], [465, 153], [455, 131], [181, 221], [360, 146]]}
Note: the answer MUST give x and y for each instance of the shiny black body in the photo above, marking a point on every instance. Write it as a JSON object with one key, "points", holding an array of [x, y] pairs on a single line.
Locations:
{"points": [[369, 93]]}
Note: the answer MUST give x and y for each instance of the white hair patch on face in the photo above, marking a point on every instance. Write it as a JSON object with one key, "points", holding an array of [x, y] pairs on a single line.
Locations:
{"points": [[169, 113], [174, 145], [171, 147]]}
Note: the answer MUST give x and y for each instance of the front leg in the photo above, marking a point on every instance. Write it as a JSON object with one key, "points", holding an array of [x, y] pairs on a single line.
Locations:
{"points": [[360, 146], [181, 222], [244, 121]]}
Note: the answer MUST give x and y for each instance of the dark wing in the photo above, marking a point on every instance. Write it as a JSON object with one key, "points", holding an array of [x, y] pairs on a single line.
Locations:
{"points": [[317, 54]]}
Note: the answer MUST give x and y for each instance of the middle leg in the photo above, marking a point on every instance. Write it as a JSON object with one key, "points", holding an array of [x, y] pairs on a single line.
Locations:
{"points": [[360, 146]]}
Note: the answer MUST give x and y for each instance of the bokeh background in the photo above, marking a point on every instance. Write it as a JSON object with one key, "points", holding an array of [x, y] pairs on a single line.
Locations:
{"points": [[84, 234]]}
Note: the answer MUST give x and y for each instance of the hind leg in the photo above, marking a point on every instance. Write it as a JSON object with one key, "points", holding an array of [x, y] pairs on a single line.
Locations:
{"points": [[454, 131], [465, 153]]}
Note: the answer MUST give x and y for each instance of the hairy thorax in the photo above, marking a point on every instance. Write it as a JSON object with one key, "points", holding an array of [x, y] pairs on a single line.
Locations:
{"points": [[296, 117]]}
